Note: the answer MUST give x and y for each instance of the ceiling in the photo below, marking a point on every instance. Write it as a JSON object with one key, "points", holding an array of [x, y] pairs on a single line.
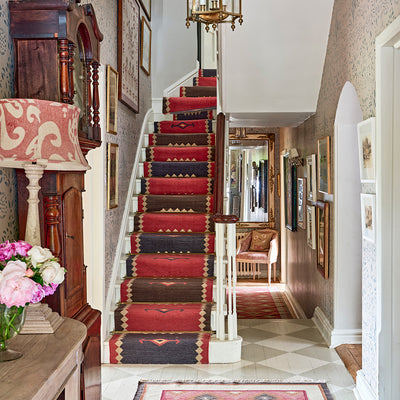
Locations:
{"points": [[271, 66]]}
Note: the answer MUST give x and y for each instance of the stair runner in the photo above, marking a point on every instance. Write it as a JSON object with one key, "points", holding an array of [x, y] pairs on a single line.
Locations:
{"points": [[164, 314]]}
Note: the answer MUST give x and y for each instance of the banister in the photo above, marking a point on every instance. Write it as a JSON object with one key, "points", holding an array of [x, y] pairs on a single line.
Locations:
{"points": [[219, 166]]}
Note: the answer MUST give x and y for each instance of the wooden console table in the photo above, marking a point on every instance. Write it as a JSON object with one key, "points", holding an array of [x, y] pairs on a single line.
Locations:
{"points": [[50, 364]]}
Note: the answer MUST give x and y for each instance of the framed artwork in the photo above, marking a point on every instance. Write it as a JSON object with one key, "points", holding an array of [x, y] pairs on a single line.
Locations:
{"points": [[366, 149], [145, 48], [263, 184], [290, 192], [146, 5], [311, 178], [301, 203], [112, 176], [311, 227], [128, 53], [324, 165], [368, 217], [323, 238], [112, 99]]}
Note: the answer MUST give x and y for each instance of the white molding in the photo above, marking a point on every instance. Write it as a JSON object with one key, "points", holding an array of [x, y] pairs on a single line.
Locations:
{"points": [[323, 325], [120, 251], [173, 90], [224, 351], [387, 199], [157, 103], [298, 310], [346, 336], [363, 391]]}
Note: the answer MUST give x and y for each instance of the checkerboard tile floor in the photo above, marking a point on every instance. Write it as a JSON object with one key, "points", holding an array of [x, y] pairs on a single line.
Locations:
{"points": [[273, 350]]}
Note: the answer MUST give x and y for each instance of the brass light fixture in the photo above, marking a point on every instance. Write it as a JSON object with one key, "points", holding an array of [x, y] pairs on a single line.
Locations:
{"points": [[213, 12]]}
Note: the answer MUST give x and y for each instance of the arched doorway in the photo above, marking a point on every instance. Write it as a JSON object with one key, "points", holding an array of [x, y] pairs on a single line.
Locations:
{"points": [[347, 221]]}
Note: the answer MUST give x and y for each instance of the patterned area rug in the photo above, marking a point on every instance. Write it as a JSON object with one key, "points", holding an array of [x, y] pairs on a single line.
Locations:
{"points": [[232, 391], [262, 302]]}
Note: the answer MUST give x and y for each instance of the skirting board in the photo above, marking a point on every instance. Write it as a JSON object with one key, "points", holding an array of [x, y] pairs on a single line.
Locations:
{"points": [[298, 310], [335, 337], [363, 391]]}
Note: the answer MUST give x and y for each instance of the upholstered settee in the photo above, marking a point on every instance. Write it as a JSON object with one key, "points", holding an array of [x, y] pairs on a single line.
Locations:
{"points": [[255, 248]]}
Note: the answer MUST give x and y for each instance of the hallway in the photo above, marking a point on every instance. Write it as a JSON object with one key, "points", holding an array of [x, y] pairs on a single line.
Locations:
{"points": [[273, 350]]}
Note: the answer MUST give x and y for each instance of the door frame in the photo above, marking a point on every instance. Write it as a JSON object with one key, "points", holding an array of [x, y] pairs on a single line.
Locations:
{"points": [[388, 210]]}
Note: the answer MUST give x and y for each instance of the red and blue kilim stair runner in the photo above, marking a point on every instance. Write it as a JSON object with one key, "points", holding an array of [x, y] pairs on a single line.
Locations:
{"points": [[164, 314]]}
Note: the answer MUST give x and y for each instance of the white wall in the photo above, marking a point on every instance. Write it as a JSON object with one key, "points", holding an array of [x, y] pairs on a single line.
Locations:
{"points": [[348, 239], [273, 63], [174, 47]]}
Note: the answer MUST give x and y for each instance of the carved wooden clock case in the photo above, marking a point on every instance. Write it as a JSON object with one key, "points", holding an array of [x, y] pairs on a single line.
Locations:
{"points": [[57, 52]]}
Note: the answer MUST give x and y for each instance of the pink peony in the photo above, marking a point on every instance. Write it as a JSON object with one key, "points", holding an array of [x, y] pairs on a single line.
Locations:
{"points": [[13, 269], [7, 250], [39, 294], [48, 290], [22, 248], [16, 290]]}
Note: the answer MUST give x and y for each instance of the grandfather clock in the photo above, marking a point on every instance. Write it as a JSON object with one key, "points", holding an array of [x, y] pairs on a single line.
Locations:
{"points": [[57, 52]]}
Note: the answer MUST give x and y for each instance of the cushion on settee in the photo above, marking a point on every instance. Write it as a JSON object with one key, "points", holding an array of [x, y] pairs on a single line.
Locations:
{"points": [[260, 241]]}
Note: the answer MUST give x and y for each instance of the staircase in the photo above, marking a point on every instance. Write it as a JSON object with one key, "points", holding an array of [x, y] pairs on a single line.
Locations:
{"points": [[166, 312]]}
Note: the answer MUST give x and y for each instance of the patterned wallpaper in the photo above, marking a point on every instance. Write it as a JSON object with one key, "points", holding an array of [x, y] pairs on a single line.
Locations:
{"points": [[350, 57], [129, 125], [8, 192]]}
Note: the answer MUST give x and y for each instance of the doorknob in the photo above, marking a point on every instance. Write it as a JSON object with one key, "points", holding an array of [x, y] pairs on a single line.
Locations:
{"points": [[69, 236]]}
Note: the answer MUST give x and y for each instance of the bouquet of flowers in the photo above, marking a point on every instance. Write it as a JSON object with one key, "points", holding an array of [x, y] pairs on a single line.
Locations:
{"points": [[27, 274]]}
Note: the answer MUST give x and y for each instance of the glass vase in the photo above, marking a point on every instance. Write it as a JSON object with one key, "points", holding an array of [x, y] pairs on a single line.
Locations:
{"points": [[11, 321]]}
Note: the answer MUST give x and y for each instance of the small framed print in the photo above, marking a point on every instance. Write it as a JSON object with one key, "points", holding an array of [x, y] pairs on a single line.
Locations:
{"points": [[146, 5], [324, 165], [311, 178], [112, 99], [311, 227], [128, 53], [368, 217], [323, 238], [290, 192], [301, 203], [366, 150], [112, 176], [145, 48]]}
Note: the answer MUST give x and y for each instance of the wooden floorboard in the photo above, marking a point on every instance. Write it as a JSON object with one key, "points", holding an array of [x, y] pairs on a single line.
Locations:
{"points": [[351, 355]]}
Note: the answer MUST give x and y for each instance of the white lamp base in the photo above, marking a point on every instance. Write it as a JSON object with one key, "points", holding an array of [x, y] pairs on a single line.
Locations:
{"points": [[40, 319], [32, 233]]}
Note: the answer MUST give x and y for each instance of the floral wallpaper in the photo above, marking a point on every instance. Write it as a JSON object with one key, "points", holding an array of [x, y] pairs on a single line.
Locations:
{"points": [[350, 57], [8, 191], [129, 125]]}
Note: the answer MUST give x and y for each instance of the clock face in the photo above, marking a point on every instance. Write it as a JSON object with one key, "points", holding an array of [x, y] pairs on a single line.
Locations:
{"points": [[80, 85]]}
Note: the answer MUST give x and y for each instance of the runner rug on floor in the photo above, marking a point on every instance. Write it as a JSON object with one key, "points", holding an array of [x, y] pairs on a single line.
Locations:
{"points": [[262, 302], [232, 391]]}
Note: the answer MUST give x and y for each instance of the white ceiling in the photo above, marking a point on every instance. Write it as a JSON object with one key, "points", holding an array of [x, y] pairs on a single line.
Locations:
{"points": [[271, 66]]}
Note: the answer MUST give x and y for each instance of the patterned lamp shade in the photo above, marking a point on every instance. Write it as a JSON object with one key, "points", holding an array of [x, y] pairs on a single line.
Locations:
{"points": [[42, 132]]}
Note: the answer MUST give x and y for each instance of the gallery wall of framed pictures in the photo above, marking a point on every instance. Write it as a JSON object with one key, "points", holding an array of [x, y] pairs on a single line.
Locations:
{"points": [[366, 155]]}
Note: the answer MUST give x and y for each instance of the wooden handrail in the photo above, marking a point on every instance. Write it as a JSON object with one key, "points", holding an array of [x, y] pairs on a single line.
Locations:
{"points": [[219, 165]]}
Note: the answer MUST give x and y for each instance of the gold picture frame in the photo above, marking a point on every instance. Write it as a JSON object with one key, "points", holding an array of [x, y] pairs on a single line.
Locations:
{"points": [[128, 53], [145, 47], [112, 175], [323, 238], [324, 165], [112, 99], [146, 6]]}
